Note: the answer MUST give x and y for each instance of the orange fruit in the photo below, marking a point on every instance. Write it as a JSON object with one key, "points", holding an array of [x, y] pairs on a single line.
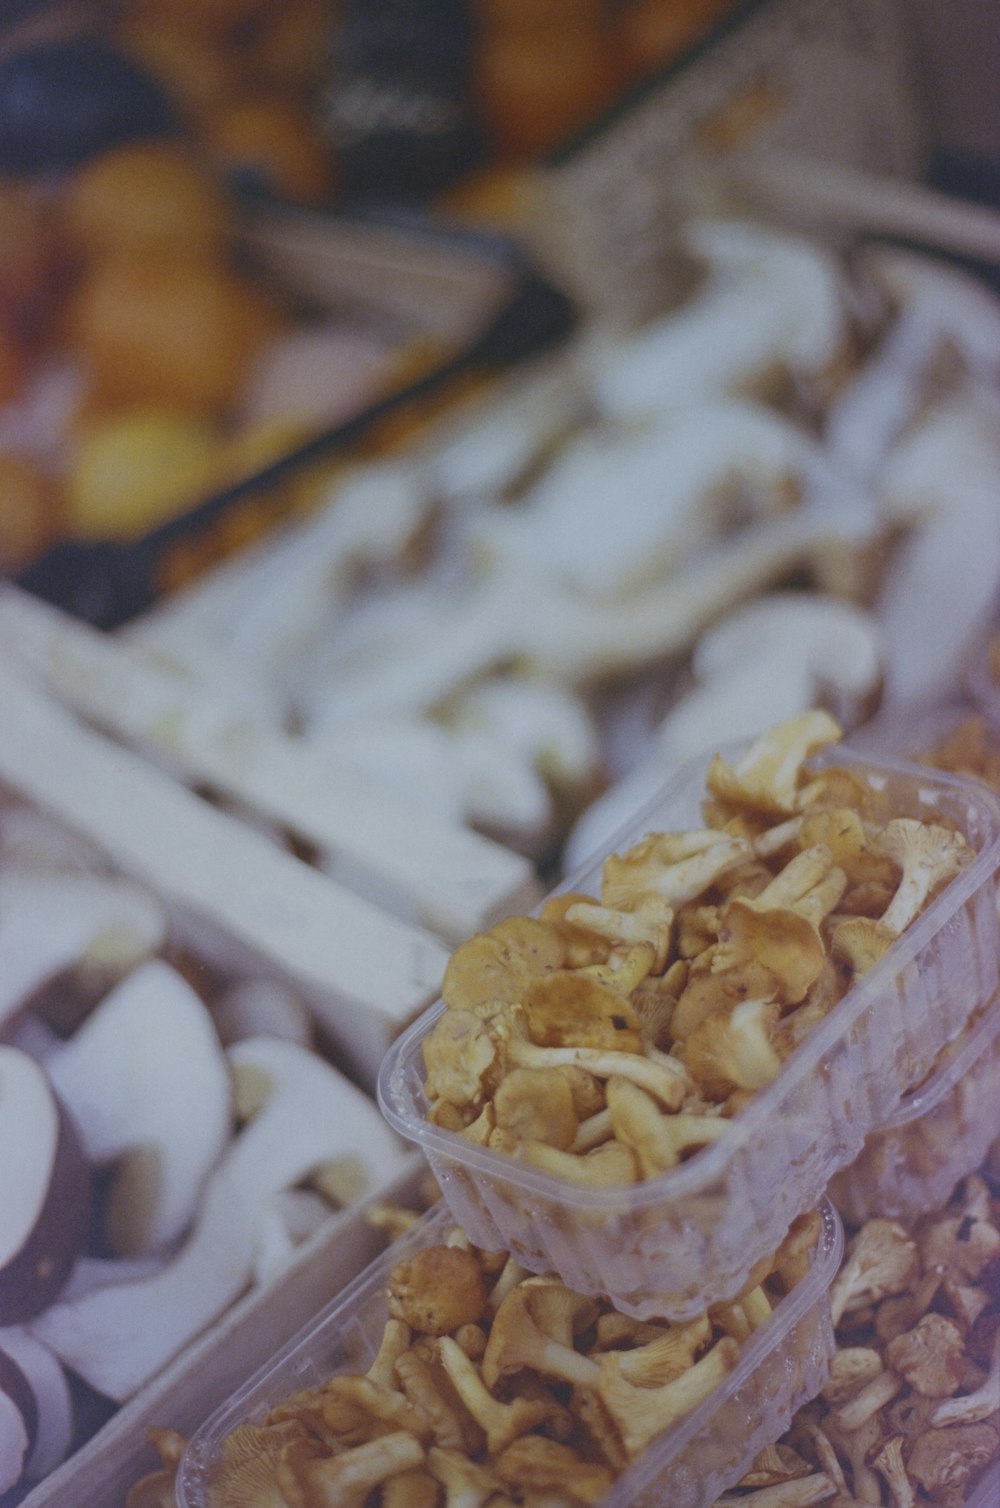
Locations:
{"points": [[150, 195], [274, 141], [29, 511], [155, 328], [133, 470]]}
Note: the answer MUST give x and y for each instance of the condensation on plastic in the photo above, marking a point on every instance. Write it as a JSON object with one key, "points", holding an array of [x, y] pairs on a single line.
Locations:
{"points": [[689, 1237], [783, 1365], [940, 1134]]}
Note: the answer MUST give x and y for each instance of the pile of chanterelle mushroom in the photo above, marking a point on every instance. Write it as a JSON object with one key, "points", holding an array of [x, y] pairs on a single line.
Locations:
{"points": [[611, 1035], [911, 1414], [492, 1384], [780, 493]]}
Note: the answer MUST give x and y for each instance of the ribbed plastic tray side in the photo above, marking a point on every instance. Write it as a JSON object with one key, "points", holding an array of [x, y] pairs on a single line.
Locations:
{"points": [[785, 1363], [782, 1367], [940, 1134], [688, 1238]]}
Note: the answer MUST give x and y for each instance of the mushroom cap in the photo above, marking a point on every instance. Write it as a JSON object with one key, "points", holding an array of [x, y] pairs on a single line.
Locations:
{"points": [[569, 1008]]}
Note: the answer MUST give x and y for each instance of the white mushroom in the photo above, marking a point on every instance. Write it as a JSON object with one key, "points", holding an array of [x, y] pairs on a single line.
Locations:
{"points": [[45, 1190], [147, 1083], [53, 922], [770, 301], [256, 1007], [781, 654], [953, 307], [938, 593], [53, 1401], [303, 1113], [617, 511]]}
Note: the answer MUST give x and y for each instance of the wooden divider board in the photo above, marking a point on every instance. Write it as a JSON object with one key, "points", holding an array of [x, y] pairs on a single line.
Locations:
{"points": [[365, 974], [453, 880]]}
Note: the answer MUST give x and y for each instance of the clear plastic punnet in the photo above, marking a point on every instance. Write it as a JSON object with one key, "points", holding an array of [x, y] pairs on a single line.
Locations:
{"points": [[940, 1134], [783, 1364], [686, 1238]]}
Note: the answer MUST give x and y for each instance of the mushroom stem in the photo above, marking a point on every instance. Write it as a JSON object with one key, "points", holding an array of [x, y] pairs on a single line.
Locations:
{"points": [[503, 1422], [971, 1408], [346, 1480], [642, 1413], [799, 1493], [929, 855]]}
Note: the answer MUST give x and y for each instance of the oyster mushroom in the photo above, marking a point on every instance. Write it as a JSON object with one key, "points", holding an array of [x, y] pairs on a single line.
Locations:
{"points": [[938, 592], [615, 512]]}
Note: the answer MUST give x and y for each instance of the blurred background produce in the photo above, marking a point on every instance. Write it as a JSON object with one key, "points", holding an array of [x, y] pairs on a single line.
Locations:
{"points": [[144, 360]]}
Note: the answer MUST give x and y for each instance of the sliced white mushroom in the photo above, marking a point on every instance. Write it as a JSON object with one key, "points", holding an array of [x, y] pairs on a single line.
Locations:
{"points": [[491, 449], [53, 1401], [18, 1422], [45, 1189], [147, 1082], [770, 301], [954, 307], [779, 655], [303, 1113], [53, 922], [285, 1222], [258, 612], [939, 591], [617, 511], [251, 1007]]}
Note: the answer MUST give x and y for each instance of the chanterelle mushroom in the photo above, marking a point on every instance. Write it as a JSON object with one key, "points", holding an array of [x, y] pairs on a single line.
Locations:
{"points": [[882, 1260], [767, 776], [928, 855]]}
